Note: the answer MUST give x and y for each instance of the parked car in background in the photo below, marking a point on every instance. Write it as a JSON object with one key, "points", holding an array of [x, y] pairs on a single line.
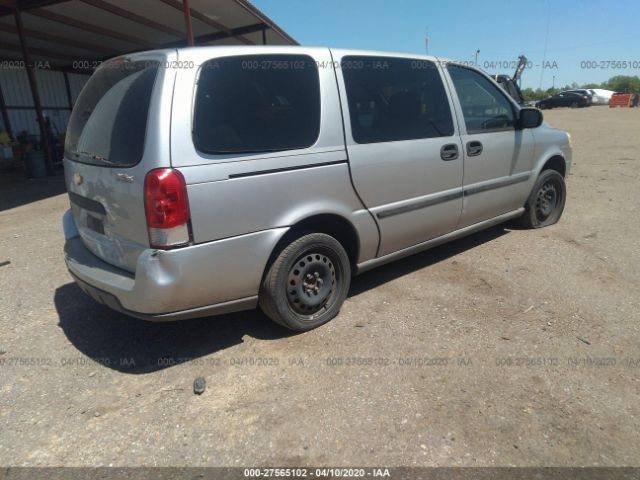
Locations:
{"points": [[598, 96], [588, 93], [268, 176], [602, 96], [564, 99]]}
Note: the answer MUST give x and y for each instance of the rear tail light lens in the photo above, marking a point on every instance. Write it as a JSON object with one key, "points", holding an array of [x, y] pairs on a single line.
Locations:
{"points": [[167, 208]]}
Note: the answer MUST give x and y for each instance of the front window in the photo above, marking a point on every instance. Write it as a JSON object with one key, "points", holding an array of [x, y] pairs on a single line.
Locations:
{"points": [[484, 106]]}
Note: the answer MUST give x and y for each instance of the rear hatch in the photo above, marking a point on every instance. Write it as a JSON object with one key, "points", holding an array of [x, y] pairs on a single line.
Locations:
{"points": [[105, 162]]}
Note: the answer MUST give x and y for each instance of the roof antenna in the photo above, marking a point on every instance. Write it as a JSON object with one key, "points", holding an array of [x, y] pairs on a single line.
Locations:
{"points": [[546, 43], [426, 40]]}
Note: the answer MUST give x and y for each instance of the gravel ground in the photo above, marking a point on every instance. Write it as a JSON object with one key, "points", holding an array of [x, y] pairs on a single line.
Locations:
{"points": [[509, 347]]}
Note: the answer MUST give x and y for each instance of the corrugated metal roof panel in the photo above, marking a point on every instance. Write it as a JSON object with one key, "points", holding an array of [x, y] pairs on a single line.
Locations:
{"points": [[15, 87], [26, 120], [91, 29], [23, 120], [17, 93], [59, 120], [88, 14], [76, 83], [53, 92]]}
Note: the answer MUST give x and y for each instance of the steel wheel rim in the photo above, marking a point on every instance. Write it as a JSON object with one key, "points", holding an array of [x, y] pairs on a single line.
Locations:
{"points": [[311, 284], [546, 200]]}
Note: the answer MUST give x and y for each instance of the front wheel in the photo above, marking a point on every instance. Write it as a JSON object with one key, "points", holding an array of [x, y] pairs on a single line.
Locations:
{"points": [[307, 283], [545, 205]]}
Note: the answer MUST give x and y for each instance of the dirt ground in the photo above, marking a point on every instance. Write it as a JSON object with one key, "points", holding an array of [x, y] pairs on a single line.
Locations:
{"points": [[509, 347]]}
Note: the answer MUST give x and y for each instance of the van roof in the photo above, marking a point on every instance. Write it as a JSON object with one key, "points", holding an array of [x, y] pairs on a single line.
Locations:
{"points": [[293, 48]]}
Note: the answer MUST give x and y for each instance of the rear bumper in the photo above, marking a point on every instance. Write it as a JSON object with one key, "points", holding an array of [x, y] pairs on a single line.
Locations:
{"points": [[112, 302], [200, 280]]}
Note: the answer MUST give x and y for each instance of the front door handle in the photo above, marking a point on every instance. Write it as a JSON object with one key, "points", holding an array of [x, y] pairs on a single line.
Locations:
{"points": [[474, 148], [449, 152]]}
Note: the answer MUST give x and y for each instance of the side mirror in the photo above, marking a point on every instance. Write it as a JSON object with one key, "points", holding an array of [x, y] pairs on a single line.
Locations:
{"points": [[529, 118]]}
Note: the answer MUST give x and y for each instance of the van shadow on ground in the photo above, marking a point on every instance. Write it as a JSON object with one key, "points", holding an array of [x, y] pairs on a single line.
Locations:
{"points": [[114, 339], [15, 190]]}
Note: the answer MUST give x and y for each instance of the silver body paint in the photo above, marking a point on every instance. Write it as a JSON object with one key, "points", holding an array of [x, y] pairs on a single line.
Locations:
{"points": [[400, 197]]}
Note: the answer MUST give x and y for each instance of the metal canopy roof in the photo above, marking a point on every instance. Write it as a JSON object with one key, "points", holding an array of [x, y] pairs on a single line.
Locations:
{"points": [[66, 33], [74, 35]]}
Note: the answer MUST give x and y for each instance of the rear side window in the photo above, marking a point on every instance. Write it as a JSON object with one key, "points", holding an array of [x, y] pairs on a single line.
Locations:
{"points": [[109, 120], [395, 99], [257, 103], [484, 106]]}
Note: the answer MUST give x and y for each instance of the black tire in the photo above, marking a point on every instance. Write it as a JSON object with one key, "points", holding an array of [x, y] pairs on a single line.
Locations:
{"points": [[545, 204], [307, 283], [575, 104]]}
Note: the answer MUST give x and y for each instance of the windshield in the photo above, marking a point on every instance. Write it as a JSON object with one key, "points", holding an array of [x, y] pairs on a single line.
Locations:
{"points": [[109, 119]]}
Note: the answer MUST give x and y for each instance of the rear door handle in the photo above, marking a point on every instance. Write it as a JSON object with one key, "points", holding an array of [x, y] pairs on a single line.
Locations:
{"points": [[449, 152], [474, 148]]}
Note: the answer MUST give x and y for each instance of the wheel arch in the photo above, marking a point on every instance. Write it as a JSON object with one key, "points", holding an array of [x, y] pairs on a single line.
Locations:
{"points": [[332, 224], [556, 162]]}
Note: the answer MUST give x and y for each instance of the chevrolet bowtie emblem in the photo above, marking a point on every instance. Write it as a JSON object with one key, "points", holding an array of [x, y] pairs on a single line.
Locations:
{"points": [[123, 177]]}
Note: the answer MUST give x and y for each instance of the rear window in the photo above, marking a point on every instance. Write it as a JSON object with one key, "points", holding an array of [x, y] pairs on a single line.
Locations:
{"points": [[109, 120], [257, 103]]}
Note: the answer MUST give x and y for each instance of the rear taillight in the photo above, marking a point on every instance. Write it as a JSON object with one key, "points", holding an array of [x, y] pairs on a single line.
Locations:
{"points": [[167, 208], [585, 97]]}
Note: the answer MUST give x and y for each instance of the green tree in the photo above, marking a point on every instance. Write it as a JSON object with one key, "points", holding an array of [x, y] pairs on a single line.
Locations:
{"points": [[623, 83]]}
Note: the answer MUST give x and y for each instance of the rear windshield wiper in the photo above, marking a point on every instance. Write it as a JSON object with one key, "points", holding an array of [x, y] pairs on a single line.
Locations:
{"points": [[94, 156]]}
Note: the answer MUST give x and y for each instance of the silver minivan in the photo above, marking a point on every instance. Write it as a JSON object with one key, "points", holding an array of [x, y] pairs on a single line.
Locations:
{"points": [[212, 180]]}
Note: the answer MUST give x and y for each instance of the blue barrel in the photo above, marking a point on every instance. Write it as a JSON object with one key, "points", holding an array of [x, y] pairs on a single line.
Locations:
{"points": [[37, 163]]}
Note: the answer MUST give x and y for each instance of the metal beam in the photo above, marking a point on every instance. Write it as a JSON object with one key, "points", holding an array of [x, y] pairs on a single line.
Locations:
{"points": [[206, 20], [121, 12], [23, 5], [57, 39], [8, 6], [266, 20], [187, 22], [41, 53], [14, 107], [212, 37], [72, 22], [67, 88], [46, 143], [5, 114]]}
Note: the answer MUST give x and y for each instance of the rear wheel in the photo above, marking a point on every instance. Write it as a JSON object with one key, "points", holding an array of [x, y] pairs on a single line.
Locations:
{"points": [[574, 105], [307, 283], [545, 205]]}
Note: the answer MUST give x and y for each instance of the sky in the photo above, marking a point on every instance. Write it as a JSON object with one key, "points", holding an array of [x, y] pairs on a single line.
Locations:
{"points": [[581, 41]]}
